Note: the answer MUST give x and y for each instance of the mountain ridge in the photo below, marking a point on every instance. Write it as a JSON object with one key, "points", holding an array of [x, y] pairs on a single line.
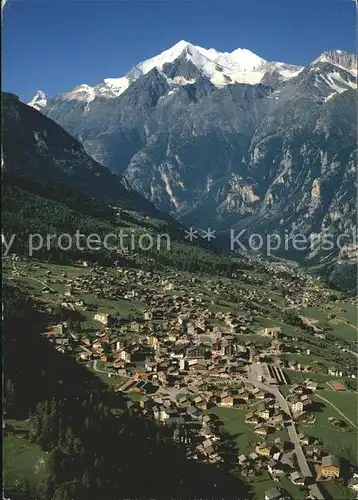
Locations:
{"points": [[238, 64], [271, 156]]}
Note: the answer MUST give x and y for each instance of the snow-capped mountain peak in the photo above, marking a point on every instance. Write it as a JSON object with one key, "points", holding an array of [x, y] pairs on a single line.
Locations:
{"points": [[242, 59], [167, 56], [39, 100], [339, 58], [221, 68]]}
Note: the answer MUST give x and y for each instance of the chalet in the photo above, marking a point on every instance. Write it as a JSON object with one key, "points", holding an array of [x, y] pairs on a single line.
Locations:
{"points": [[297, 478], [248, 472], [263, 412], [306, 401], [276, 420], [153, 341], [253, 456], [312, 386], [150, 366], [85, 353], [273, 494], [263, 449], [54, 331], [148, 315], [274, 333], [175, 418], [205, 431], [194, 413], [353, 482], [244, 394], [97, 344], [261, 429], [296, 389], [252, 418], [292, 365], [206, 419], [226, 399], [254, 355], [156, 412], [61, 341], [207, 443], [125, 355], [277, 347], [314, 452], [144, 401], [303, 439], [258, 393], [103, 318], [163, 414], [275, 468], [330, 466], [200, 402], [276, 456], [243, 459]]}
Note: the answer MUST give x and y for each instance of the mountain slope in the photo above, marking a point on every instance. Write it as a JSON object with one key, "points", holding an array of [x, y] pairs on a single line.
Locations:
{"points": [[278, 155], [34, 146]]}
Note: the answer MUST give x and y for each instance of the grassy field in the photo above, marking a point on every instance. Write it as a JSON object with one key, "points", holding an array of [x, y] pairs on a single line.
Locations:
{"points": [[288, 330], [113, 381], [233, 420], [321, 378], [245, 440], [263, 483], [338, 491], [24, 463], [340, 442], [346, 402], [349, 313], [342, 330], [303, 359], [343, 325], [35, 277]]}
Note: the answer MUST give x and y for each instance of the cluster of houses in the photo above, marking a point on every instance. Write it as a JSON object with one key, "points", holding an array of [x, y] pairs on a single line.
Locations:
{"points": [[177, 311], [189, 421], [196, 356]]}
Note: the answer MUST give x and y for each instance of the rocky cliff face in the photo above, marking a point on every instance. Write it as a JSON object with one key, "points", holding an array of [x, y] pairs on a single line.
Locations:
{"points": [[275, 154]]}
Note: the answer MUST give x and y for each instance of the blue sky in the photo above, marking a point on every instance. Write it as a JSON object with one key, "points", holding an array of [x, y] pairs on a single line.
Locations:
{"points": [[55, 45]]}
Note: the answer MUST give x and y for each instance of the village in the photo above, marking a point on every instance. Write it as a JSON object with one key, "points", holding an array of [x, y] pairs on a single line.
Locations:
{"points": [[185, 362]]}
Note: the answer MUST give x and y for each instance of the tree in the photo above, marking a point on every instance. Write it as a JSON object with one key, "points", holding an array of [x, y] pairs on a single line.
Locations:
{"points": [[10, 394], [86, 480], [67, 442], [34, 428]]}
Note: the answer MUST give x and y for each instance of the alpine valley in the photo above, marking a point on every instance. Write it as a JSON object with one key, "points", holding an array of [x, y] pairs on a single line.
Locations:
{"points": [[142, 361], [231, 141]]}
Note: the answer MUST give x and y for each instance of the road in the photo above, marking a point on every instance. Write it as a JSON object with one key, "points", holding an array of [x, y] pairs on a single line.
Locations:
{"points": [[291, 429], [96, 369], [45, 285], [346, 323], [352, 352]]}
